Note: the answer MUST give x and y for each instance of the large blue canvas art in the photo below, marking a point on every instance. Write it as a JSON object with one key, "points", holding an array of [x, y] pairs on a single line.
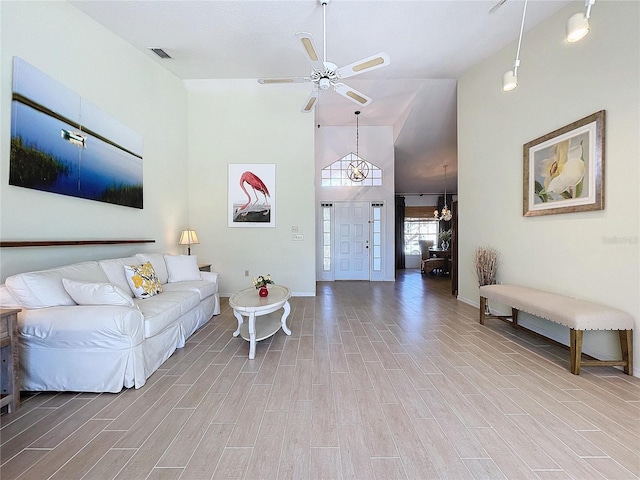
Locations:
{"points": [[63, 144]]}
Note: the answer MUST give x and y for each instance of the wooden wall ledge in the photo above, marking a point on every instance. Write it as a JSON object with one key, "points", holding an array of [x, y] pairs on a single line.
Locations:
{"points": [[60, 243]]}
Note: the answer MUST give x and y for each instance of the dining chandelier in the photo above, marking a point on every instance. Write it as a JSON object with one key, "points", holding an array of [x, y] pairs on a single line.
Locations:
{"points": [[445, 213]]}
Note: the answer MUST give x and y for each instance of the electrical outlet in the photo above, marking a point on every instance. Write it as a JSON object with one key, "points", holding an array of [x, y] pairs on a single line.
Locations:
{"points": [[246, 273], [294, 229], [297, 237]]}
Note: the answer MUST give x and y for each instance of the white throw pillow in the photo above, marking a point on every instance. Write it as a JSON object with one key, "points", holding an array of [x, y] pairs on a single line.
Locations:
{"points": [[115, 273], [143, 280], [182, 268], [84, 293], [157, 260]]}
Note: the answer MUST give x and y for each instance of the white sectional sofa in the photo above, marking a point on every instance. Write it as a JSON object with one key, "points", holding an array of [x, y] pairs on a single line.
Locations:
{"points": [[82, 328]]}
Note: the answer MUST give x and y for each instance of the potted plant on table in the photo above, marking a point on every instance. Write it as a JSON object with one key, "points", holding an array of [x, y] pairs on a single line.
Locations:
{"points": [[445, 238], [261, 283]]}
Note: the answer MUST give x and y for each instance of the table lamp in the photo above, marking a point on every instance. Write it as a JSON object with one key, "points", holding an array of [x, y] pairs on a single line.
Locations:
{"points": [[188, 237]]}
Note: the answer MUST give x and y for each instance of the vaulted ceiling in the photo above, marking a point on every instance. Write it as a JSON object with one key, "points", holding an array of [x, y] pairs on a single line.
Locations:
{"points": [[430, 43]]}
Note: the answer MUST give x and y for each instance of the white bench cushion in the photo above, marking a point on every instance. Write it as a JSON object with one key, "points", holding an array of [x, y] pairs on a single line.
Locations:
{"points": [[570, 312]]}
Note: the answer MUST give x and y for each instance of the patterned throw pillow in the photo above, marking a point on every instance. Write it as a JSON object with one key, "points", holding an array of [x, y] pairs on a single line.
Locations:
{"points": [[143, 280]]}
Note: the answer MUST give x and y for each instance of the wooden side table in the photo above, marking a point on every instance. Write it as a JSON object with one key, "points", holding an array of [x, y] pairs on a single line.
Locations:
{"points": [[204, 267], [10, 387]]}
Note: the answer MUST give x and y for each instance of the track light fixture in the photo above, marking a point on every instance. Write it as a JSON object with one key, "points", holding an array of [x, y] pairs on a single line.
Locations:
{"points": [[578, 23], [510, 79]]}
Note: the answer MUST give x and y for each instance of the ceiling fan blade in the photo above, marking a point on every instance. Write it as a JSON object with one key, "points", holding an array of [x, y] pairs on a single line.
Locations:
{"points": [[310, 50], [284, 80], [497, 6], [353, 95], [365, 65], [310, 104]]}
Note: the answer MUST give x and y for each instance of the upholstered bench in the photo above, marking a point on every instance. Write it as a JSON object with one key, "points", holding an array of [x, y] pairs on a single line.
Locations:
{"points": [[578, 315]]}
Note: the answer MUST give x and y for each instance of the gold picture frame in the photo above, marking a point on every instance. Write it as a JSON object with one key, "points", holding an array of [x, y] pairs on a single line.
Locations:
{"points": [[564, 170]]}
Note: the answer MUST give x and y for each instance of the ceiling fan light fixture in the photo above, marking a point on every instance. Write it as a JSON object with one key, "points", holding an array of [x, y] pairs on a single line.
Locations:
{"points": [[326, 74]]}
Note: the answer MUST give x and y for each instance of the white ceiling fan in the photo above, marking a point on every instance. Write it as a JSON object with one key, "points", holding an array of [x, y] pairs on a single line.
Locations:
{"points": [[325, 75]]}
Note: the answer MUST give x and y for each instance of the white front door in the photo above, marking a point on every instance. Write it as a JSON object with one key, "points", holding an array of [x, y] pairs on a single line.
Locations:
{"points": [[352, 241]]}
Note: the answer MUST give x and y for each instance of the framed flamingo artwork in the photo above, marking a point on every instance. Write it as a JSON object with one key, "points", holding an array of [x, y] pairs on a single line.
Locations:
{"points": [[564, 169], [252, 200]]}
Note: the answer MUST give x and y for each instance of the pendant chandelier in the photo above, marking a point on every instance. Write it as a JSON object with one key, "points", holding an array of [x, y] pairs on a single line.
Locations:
{"points": [[358, 169], [445, 214]]}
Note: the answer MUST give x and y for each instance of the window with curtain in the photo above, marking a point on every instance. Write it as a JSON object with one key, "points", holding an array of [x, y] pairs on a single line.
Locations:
{"points": [[419, 224], [416, 229]]}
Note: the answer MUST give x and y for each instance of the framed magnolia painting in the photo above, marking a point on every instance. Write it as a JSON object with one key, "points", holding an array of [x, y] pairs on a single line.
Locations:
{"points": [[564, 169]]}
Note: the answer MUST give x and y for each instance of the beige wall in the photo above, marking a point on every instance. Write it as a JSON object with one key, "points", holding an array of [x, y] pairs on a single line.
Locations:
{"points": [[79, 53], [589, 255], [240, 121]]}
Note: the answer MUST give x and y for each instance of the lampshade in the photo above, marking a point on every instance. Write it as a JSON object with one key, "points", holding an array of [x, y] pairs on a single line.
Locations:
{"points": [[188, 237], [509, 81], [577, 27]]}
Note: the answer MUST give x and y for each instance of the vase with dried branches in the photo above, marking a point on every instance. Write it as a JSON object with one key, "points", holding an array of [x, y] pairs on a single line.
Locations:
{"points": [[486, 267]]}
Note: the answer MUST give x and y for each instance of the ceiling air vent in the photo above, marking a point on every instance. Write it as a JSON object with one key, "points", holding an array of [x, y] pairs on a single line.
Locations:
{"points": [[160, 52]]}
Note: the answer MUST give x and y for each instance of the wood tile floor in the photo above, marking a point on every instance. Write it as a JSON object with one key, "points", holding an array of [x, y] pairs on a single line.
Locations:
{"points": [[377, 381]]}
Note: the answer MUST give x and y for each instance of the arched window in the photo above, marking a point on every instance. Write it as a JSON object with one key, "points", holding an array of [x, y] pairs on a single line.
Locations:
{"points": [[336, 174]]}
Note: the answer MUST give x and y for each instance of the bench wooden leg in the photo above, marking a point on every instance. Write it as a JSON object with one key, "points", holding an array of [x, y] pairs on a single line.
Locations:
{"points": [[575, 346], [514, 317], [626, 345], [483, 306]]}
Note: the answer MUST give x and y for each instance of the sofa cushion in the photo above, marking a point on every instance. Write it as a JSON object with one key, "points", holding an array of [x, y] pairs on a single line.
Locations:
{"points": [[143, 280], [162, 310], [157, 260], [81, 326], [203, 288], [84, 293], [182, 268], [114, 269], [44, 288]]}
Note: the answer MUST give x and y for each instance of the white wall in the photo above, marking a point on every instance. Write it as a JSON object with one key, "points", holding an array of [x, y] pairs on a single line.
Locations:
{"points": [[375, 145], [94, 63], [589, 255], [240, 121]]}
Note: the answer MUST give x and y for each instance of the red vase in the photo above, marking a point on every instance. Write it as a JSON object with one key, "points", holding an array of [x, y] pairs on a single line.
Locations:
{"points": [[263, 292]]}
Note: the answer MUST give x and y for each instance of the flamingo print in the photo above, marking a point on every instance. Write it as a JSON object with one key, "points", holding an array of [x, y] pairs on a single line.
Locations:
{"points": [[258, 186]]}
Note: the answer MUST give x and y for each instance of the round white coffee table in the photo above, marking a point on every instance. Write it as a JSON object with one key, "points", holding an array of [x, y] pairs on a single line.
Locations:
{"points": [[248, 303]]}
